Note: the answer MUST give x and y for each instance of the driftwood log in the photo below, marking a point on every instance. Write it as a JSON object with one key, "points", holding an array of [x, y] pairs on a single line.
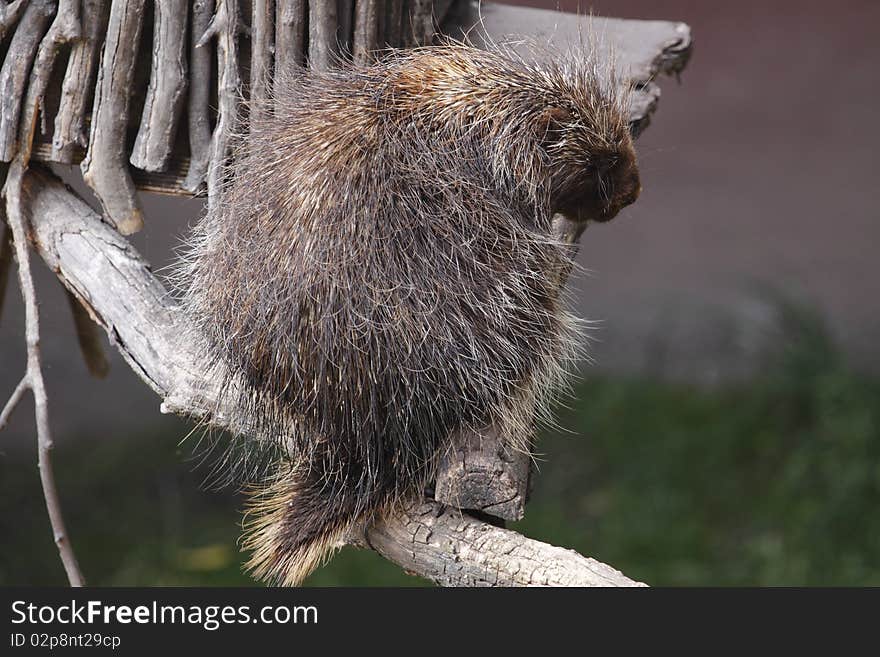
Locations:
{"points": [[164, 116]]}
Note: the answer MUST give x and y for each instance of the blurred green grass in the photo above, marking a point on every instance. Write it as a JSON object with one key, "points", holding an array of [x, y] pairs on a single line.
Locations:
{"points": [[770, 481]]}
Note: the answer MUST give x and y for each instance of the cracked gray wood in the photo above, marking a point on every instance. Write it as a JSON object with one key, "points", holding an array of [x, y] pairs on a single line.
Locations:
{"points": [[70, 138], [290, 37], [199, 101], [225, 27], [105, 167], [116, 285], [16, 71], [262, 48], [366, 31], [458, 550], [167, 91], [323, 23]]}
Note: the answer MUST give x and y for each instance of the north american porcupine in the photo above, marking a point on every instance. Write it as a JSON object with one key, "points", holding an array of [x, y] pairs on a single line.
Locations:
{"points": [[379, 271]]}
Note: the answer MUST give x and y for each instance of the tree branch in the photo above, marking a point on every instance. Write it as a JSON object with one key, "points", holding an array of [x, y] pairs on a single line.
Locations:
{"points": [[290, 37], [16, 69], [167, 90], [9, 14], [262, 49], [323, 23], [106, 273], [105, 167], [76, 91], [199, 101], [225, 27], [34, 374]]}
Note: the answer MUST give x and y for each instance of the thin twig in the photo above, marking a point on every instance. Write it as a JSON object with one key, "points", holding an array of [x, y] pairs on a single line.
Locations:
{"points": [[34, 375], [22, 387]]}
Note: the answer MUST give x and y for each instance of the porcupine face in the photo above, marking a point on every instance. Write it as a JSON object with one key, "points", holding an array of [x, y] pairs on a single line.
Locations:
{"points": [[591, 181]]}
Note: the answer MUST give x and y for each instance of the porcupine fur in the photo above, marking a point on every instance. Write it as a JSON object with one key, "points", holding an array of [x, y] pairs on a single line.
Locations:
{"points": [[379, 272]]}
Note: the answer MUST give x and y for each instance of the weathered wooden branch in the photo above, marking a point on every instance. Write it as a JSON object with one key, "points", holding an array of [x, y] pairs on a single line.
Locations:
{"points": [[64, 29], [9, 14], [323, 22], [262, 48], [167, 91], [105, 167], [70, 135], [198, 104], [290, 34], [16, 71], [454, 549], [225, 27], [107, 275], [366, 30], [33, 378]]}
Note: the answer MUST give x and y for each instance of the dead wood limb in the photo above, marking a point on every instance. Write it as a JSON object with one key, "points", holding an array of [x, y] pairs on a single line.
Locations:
{"points": [[104, 271], [455, 549], [323, 23], [64, 29], [480, 472], [167, 90], [367, 36], [105, 167], [199, 102], [34, 373], [9, 14], [225, 27], [262, 49], [290, 34], [13, 401], [76, 91], [17, 68]]}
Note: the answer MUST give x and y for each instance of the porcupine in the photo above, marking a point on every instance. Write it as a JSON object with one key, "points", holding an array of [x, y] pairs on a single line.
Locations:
{"points": [[380, 272]]}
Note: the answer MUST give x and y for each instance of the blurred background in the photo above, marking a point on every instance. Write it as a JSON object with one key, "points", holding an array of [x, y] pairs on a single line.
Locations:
{"points": [[728, 432]]}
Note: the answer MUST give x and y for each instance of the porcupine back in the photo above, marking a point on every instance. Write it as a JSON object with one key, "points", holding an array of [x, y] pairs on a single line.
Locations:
{"points": [[379, 274]]}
